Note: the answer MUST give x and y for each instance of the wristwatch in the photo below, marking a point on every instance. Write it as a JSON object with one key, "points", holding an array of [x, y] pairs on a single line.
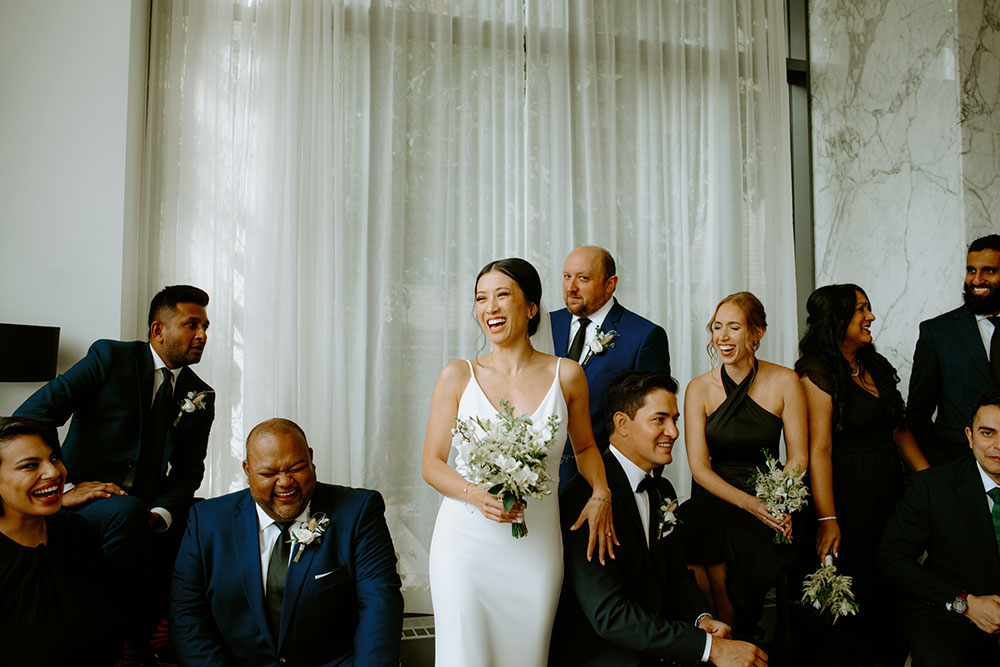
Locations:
{"points": [[959, 605]]}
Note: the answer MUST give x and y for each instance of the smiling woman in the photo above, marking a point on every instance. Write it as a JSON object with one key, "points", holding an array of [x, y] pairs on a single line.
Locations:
{"points": [[51, 566]]}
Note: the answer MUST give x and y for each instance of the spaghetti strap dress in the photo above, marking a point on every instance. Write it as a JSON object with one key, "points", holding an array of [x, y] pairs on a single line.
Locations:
{"points": [[715, 531]]}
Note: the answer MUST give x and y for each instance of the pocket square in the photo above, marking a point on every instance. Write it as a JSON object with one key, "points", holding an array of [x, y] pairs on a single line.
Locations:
{"points": [[320, 576]]}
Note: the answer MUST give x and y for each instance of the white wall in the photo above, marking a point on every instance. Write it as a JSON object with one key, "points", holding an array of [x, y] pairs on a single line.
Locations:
{"points": [[69, 167]]}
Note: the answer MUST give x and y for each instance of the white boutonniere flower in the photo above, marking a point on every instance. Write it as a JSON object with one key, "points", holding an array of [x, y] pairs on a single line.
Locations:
{"points": [[193, 401], [668, 520], [310, 531], [602, 342]]}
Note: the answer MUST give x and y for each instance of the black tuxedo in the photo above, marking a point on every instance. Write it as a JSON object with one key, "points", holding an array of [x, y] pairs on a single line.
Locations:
{"points": [[950, 371], [945, 512], [641, 605]]}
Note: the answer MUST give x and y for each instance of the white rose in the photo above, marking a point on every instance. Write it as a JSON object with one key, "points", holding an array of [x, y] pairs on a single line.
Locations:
{"points": [[303, 535], [188, 405], [596, 346]]}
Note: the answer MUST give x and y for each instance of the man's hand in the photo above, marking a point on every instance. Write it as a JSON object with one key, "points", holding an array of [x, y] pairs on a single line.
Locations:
{"points": [[156, 522], [87, 491], [731, 653], [715, 627], [984, 611]]}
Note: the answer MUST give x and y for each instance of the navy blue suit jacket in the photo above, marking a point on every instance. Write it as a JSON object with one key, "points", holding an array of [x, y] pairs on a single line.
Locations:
{"points": [[641, 605], [342, 603], [109, 394], [640, 345], [950, 370]]}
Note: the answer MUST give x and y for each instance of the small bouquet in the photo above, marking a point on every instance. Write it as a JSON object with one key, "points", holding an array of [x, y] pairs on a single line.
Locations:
{"points": [[828, 592], [783, 491], [508, 455], [601, 343], [310, 531]]}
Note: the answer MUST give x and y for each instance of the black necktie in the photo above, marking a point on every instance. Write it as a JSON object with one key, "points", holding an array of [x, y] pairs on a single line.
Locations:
{"points": [[576, 347], [147, 470], [277, 569], [995, 347]]}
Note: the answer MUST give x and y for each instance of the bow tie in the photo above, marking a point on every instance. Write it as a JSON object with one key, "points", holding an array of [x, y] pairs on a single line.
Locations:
{"points": [[646, 484]]}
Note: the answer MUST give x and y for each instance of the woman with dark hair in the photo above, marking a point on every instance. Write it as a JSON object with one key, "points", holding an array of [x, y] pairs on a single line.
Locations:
{"points": [[857, 446], [732, 415], [495, 596], [51, 610]]}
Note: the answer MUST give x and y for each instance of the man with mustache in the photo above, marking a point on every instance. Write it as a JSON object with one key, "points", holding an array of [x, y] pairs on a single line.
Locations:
{"points": [[957, 358], [135, 450]]}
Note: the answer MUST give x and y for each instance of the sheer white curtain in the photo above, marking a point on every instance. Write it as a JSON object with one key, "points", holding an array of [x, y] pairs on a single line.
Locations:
{"points": [[335, 172]]}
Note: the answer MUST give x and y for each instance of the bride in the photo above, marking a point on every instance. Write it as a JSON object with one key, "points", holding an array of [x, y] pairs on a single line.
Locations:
{"points": [[495, 596]]}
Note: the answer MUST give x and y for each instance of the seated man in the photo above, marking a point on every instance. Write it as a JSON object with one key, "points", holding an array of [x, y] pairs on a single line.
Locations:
{"points": [[951, 609], [259, 582], [134, 451], [642, 607]]}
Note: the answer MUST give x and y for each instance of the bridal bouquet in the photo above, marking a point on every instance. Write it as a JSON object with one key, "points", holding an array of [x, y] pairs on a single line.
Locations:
{"points": [[508, 455], [828, 592], [783, 491]]}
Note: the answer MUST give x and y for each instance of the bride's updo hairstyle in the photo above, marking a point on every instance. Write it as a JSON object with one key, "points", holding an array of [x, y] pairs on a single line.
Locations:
{"points": [[753, 314], [526, 277]]}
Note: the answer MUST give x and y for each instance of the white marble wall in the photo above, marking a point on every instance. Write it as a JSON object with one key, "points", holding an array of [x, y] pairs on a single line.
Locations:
{"points": [[887, 159], [979, 68]]}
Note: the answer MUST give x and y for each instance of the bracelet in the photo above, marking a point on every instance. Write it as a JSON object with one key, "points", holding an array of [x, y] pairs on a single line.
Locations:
{"points": [[603, 500], [827, 518], [465, 491]]}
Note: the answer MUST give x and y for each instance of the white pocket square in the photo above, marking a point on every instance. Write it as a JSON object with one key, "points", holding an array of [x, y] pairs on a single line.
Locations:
{"points": [[320, 576]]}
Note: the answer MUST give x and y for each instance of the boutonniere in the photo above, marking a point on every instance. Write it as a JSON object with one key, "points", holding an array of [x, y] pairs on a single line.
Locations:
{"points": [[193, 401], [310, 531], [602, 342], [668, 520]]}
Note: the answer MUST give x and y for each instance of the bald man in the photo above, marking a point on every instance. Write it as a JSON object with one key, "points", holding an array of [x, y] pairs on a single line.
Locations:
{"points": [[602, 336], [261, 579]]}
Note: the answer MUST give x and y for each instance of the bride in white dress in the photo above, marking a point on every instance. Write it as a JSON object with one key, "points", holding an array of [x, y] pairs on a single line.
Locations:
{"points": [[495, 596]]}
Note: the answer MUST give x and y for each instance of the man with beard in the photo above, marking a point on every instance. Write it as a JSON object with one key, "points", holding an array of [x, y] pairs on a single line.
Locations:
{"points": [[135, 450], [289, 571], [957, 358]]}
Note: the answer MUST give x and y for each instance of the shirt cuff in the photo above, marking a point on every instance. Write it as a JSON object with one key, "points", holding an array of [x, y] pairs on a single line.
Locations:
{"points": [[708, 648], [167, 518], [67, 487]]}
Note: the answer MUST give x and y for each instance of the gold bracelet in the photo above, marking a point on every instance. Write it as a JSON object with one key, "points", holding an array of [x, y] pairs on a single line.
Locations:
{"points": [[603, 500]]}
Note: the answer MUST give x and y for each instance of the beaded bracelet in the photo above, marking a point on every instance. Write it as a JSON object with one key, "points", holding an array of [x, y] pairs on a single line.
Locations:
{"points": [[603, 500], [827, 518]]}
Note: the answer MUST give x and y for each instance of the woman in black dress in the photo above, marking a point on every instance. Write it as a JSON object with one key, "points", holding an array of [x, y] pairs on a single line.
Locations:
{"points": [[51, 609], [857, 447], [732, 414]]}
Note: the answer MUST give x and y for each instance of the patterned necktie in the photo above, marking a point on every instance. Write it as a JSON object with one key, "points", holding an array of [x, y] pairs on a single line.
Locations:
{"points": [[995, 348], [277, 570], [576, 347]]}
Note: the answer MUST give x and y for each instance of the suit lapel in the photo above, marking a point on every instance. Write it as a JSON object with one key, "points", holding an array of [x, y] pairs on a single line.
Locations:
{"points": [[970, 491], [621, 488], [967, 330], [610, 324], [560, 320], [247, 541]]}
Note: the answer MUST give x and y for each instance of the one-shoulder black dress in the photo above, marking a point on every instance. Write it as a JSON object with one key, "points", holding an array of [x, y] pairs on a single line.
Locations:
{"points": [[867, 482], [53, 609], [715, 531]]}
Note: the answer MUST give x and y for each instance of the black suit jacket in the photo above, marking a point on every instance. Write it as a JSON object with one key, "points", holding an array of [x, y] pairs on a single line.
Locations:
{"points": [[109, 394], [642, 604], [944, 511], [341, 606], [950, 370]]}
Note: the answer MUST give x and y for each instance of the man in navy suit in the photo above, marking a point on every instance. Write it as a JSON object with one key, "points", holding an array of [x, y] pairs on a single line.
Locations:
{"points": [[951, 604], [953, 362], [135, 451], [257, 582], [605, 338], [644, 606]]}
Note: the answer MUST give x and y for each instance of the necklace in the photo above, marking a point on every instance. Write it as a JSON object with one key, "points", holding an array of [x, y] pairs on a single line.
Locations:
{"points": [[855, 372]]}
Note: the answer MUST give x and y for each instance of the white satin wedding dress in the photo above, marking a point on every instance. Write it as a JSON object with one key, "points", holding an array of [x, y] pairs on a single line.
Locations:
{"points": [[495, 596]]}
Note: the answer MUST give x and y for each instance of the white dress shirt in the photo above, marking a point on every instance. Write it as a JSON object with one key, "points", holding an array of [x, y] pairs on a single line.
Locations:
{"points": [[635, 475], [267, 536], [596, 320]]}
